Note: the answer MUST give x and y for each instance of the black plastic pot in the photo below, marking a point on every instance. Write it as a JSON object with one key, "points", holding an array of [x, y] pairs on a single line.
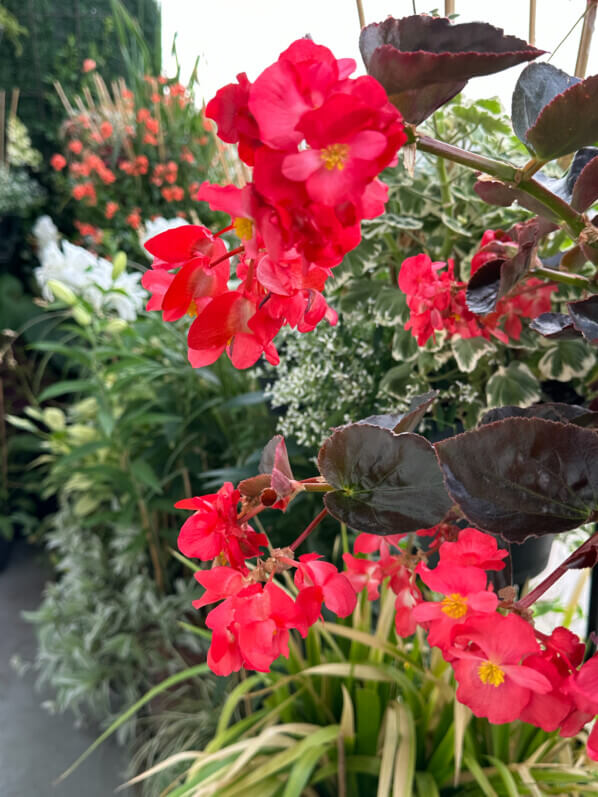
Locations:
{"points": [[527, 560]]}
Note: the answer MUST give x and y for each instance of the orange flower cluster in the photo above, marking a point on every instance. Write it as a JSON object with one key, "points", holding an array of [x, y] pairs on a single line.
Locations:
{"points": [[133, 156]]}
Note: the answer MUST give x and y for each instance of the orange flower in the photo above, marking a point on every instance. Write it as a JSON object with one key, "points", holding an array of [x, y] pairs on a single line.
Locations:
{"points": [[75, 146], [134, 219], [58, 162], [106, 129], [111, 208], [89, 65]]}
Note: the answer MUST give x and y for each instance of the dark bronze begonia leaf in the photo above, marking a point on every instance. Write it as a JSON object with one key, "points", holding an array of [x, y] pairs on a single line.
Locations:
{"points": [[385, 483], [523, 477], [424, 61]]}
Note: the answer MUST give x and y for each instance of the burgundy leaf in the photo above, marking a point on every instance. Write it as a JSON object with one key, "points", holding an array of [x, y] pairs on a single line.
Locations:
{"points": [[523, 477], [554, 325], [494, 192], [482, 289], [536, 87], [568, 123], [585, 317], [404, 421], [585, 191], [385, 483], [549, 411], [424, 61]]}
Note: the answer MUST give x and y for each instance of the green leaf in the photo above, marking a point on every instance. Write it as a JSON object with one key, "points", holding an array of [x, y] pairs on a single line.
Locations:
{"points": [[244, 400], [190, 672], [479, 776], [469, 351], [404, 345], [426, 785], [514, 384], [523, 477], [21, 423], [390, 307], [369, 716], [384, 482], [507, 778], [395, 380], [302, 770], [68, 386], [406, 751], [144, 473], [565, 359], [359, 294]]}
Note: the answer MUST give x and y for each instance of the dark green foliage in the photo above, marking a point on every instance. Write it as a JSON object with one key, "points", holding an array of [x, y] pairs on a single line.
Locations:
{"points": [[60, 35]]}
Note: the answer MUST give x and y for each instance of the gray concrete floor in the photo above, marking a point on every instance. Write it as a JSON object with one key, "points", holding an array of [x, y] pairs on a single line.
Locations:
{"points": [[34, 746]]}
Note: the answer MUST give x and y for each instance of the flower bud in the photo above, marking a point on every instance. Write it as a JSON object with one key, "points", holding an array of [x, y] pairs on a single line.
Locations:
{"points": [[81, 316], [115, 326], [119, 264], [63, 293], [53, 418]]}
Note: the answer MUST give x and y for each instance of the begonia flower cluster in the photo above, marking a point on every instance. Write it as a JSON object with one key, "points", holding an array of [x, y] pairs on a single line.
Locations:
{"points": [[437, 300], [316, 141], [504, 667], [251, 625]]}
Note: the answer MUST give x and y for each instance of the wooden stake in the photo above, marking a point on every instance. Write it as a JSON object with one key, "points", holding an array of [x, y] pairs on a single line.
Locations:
{"points": [[14, 102], [585, 40], [360, 13], [532, 22], [449, 7]]}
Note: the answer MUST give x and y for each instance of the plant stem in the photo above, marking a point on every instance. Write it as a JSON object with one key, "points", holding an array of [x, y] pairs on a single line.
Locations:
{"points": [[316, 487], [577, 280], [500, 169], [447, 206], [505, 172], [305, 534], [568, 564]]}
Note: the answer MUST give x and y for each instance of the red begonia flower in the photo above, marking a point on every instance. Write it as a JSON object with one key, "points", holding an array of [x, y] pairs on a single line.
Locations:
{"points": [[465, 594], [213, 530], [492, 680], [474, 548]]}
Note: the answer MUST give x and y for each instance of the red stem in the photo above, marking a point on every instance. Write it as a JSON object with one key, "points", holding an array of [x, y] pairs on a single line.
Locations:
{"points": [[223, 230], [305, 534], [559, 571], [232, 252]]}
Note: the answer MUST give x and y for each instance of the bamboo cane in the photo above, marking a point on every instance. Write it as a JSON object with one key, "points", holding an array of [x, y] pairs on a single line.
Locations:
{"points": [[585, 40], [532, 22]]}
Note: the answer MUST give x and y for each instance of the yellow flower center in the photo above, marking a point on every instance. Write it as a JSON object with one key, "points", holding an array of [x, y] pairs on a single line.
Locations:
{"points": [[454, 605], [491, 673], [192, 309], [243, 228], [334, 156]]}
